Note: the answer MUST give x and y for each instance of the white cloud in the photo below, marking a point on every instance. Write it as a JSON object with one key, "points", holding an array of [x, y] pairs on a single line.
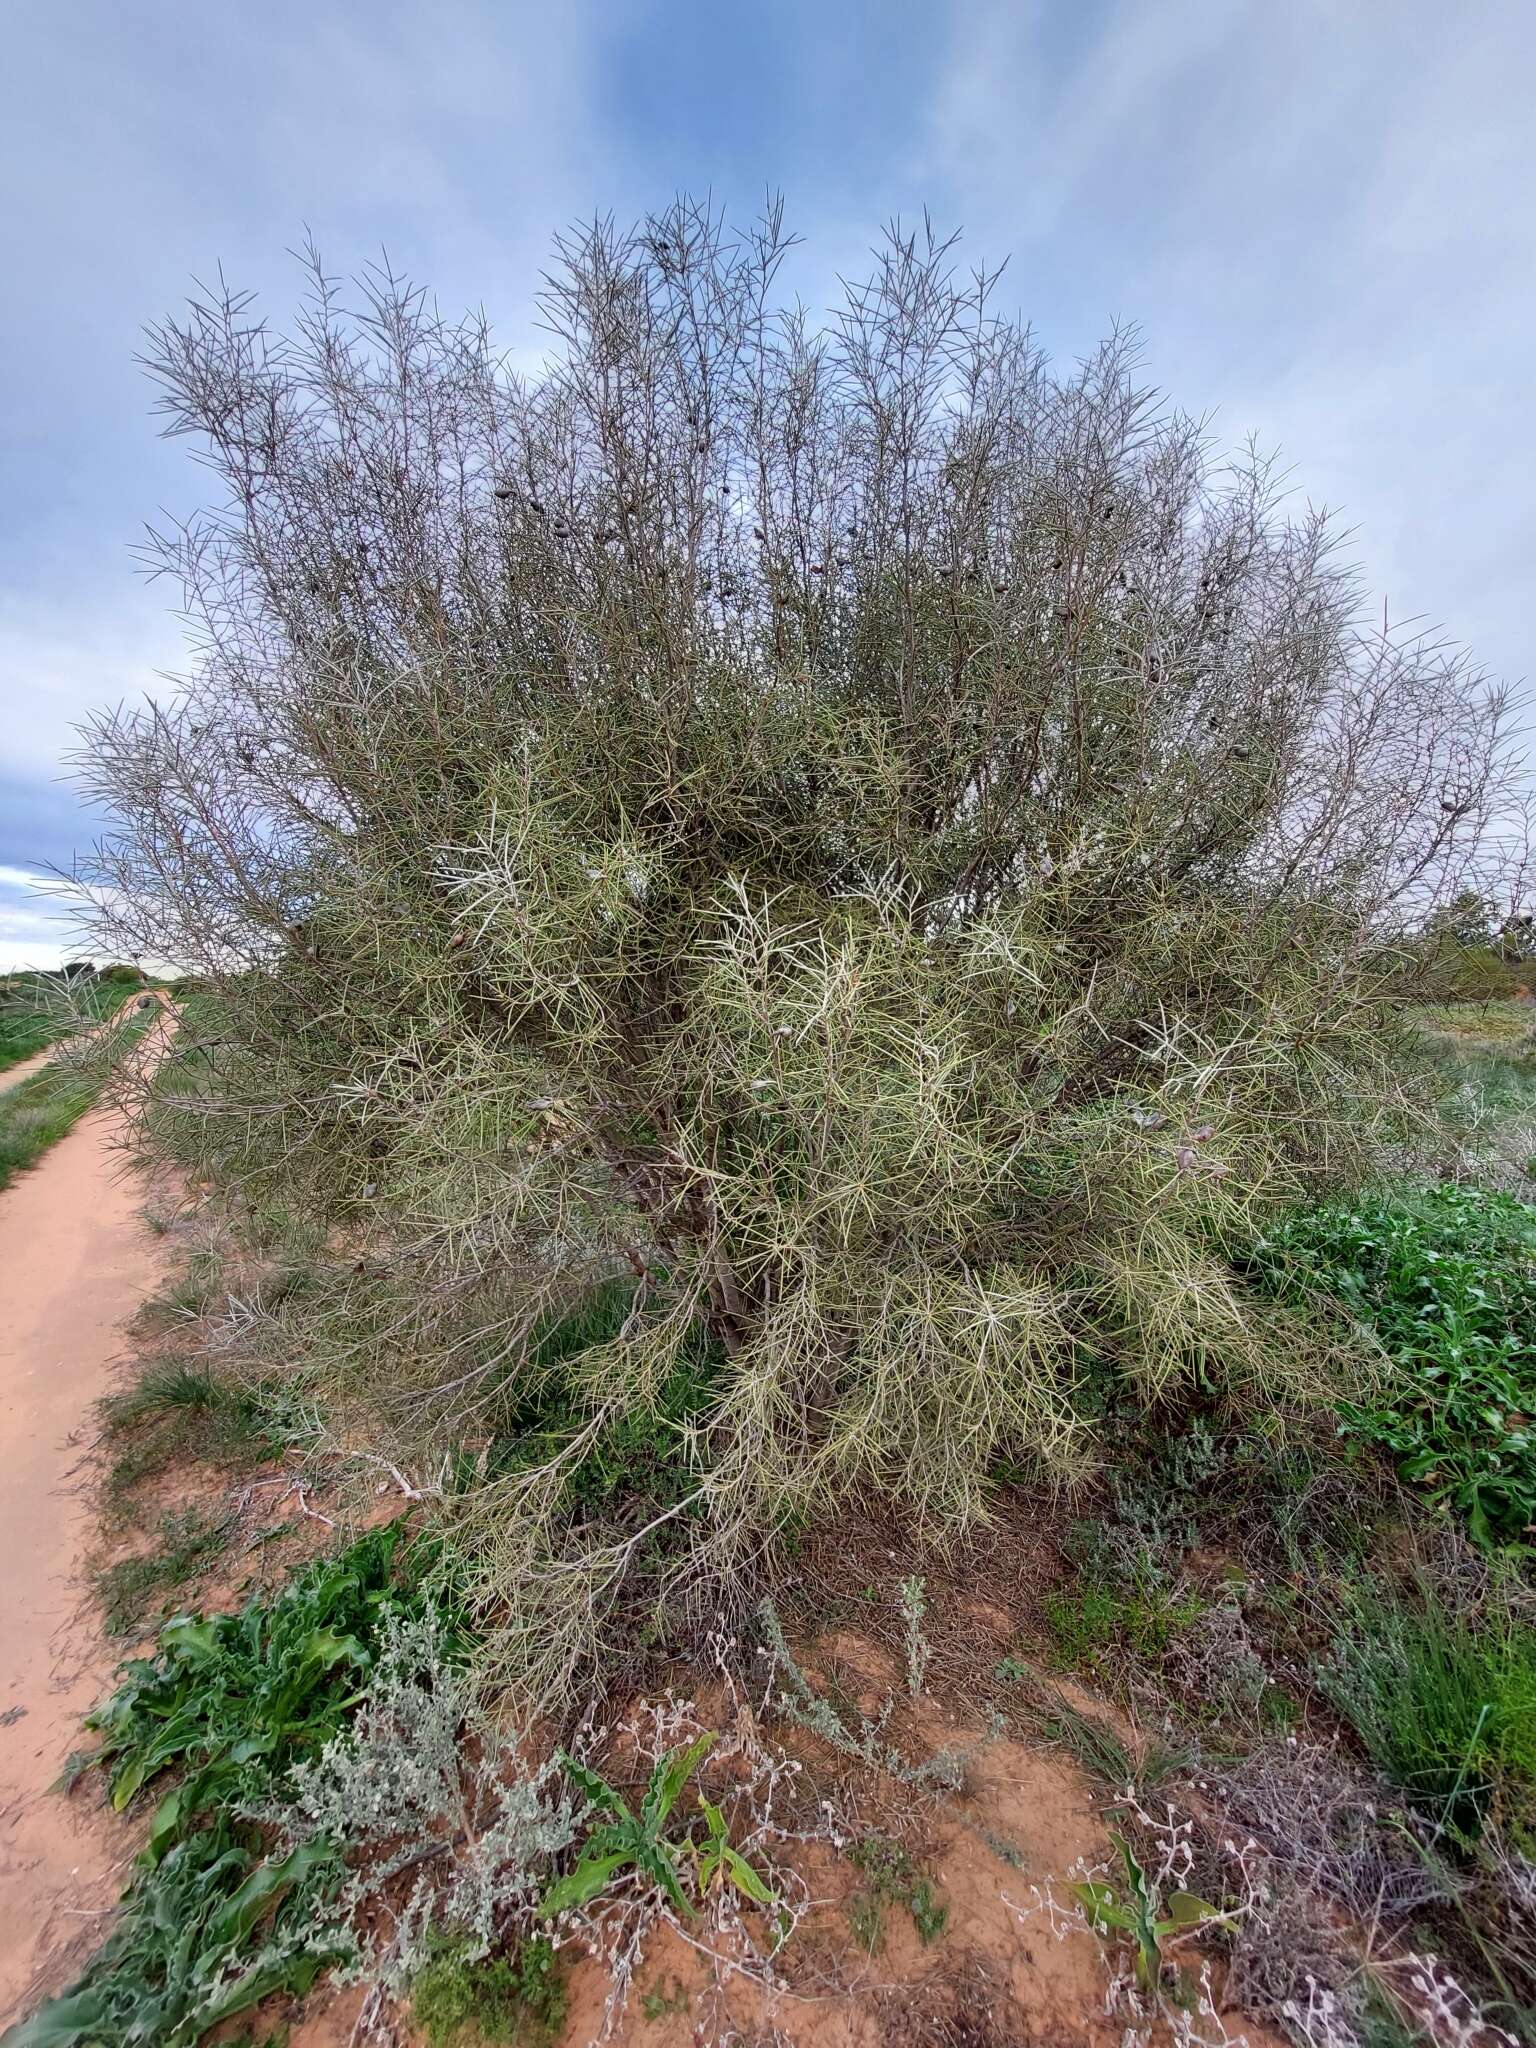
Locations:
{"points": [[1324, 219], [43, 924], [63, 658], [38, 926]]}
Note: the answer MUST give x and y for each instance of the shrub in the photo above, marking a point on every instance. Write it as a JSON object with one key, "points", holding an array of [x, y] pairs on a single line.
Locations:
{"points": [[1445, 1279], [892, 847]]}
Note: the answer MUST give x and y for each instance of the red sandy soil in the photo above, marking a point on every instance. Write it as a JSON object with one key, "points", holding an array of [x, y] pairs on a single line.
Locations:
{"points": [[75, 1261], [998, 1977]]}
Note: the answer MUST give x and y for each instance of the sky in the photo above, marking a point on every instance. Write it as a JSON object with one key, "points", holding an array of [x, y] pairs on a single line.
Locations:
{"points": [[1320, 213]]}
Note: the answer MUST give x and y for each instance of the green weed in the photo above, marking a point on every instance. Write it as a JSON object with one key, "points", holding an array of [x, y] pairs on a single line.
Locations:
{"points": [[629, 1840], [177, 1414], [198, 1286], [1097, 1747], [37, 1009], [643, 1453], [206, 1933], [1135, 1911], [1445, 1279], [659, 2003], [228, 1704], [512, 2001], [1090, 1623], [891, 1878], [37, 1112], [232, 1700]]}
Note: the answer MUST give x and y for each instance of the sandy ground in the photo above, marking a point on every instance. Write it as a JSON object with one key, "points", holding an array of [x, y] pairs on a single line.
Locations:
{"points": [[75, 1260], [25, 1069], [35, 1062]]}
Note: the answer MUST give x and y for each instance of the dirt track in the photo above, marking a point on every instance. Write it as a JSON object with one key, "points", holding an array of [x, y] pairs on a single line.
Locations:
{"points": [[75, 1260], [25, 1069]]}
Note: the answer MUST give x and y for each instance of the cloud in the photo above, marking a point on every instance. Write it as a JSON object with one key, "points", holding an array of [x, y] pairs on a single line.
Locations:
{"points": [[58, 662], [38, 926], [44, 922], [1323, 219], [150, 148]]}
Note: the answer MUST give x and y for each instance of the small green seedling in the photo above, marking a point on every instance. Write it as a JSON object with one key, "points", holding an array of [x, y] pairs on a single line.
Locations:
{"points": [[1140, 1915], [629, 1839], [716, 1858], [891, 1878], [660, 2004]]}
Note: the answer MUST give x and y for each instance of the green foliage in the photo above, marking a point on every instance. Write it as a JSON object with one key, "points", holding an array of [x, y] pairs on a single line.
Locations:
{"points": [[176, 1414], [37, 1112], [1445, 1704], [891, 1878], [1091, 1623], [1508, 1028], [232, 1701], [1480, 1061], [636, 1841], [1381, 2025], [506, 2001], [1135, 1912], [658, 2003], [642, 1454], [1096, 1746], [23, 1033], [1445, 1279], [715, 1858], [213, 1921], [206, 1933]]}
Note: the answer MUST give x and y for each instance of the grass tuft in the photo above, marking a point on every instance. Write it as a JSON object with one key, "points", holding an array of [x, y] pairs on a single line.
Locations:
{"points": [[1444, 1703], [189, 1544]]}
